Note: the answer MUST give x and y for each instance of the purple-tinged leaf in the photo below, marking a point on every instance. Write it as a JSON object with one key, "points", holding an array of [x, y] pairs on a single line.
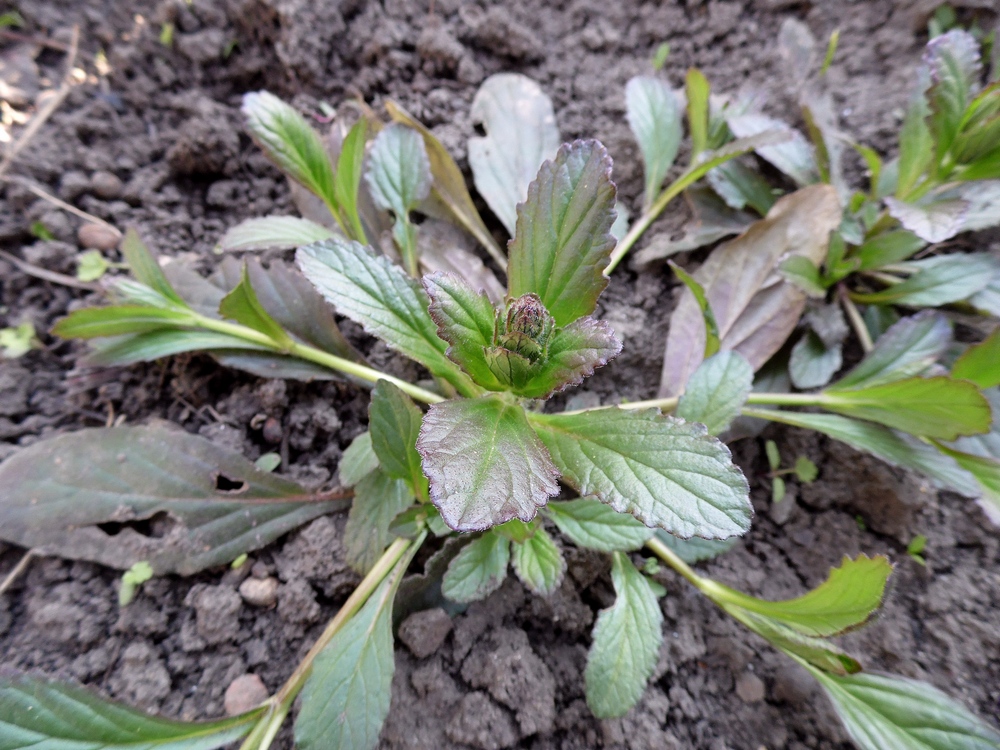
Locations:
{"points": [[214, 504], [485, 463], [574, 353], [563, 239], [755, 310], [796, 157], [933, 220]]}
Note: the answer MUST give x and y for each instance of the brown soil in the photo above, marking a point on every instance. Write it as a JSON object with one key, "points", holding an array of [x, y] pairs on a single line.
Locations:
{"points": [[510, 673]]}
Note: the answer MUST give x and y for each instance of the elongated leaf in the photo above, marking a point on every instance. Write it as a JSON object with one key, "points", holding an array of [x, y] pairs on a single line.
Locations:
{"points": [[625, 645], [887, 248], [654, 116], [739, 186], [844, 601], [144, 266], [812, 363], [39, 712], [592, 524], [697, 88], [986, 471], [953, 61], [378, 499], [484, 462], [938, 281], [712, 341], [153, 345], [938, 407], [521, 133], [796, 157], [478, 570], [117, 320], [272, 232], [574, 353], [906, 350], [347, 180], [916, 146], [347, 696], [399, 172], [694, 549], [664, 471], [892, 447], [242, 305], [893, 713], [216, 503], [291, 143], [380, 297], [394, 423], [465, 318], [933, 219], [539, 563], [563, 238], [980, 363], [755, 315], [816, 651], [449, 184], [358, 461], [717, 391]]}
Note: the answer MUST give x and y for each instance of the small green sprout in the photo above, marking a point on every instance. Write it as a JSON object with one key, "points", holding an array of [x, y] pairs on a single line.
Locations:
{"points": [[39, 230], [268, 462], [132, 579], [18, 341], [660, 56], [240, 561], [915, 549], [167, 34], [804, 470]]}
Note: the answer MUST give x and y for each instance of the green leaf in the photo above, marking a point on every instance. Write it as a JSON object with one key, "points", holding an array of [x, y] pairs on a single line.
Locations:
{"points": [[934, 218], [58, 491], [39, 712], [378, 499], [888, 248], [466, 319], [521, 133], [91, 265], [794, 156], [152, 345], [539, 563], [574, 352], [773, 455], [243, 306], [938, 281], [346, 697], [117, 320], [145, 268], [592, 524], [381, 298], [694, 549], [938, 407], [698, 291], [740, 186], [916, 147], [289, 141], [484, 462], [804, 274], [665, 472], [698, 90], [626, 643], [399, 172], [892, 447], [893, 713], [655, 119], [905, 350], [778, 490], [478, 570], [953, 60], [815, 651], [563, 239], [394, 423], [812, 363], [844, 601], [358, 461], [717, 391], [347, 180], [805, 470], [449, 184], [272, 232], [986, 471], [755, 316], [980, 363]]}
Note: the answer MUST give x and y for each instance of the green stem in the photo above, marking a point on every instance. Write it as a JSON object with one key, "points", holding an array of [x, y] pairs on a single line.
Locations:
{"points": [[857, 322], [312, 354], [672, 559], [648, 217], [264, 732], [789, 399], [664, 404]]}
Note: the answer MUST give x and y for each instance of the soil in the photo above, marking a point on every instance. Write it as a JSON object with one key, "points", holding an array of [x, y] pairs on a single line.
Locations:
{"points": [[508, 672]]}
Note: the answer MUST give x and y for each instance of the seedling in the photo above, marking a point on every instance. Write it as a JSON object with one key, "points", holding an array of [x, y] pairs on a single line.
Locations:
{"points": [[18, 341], [804, 470], [132, 579], [915, 549]]}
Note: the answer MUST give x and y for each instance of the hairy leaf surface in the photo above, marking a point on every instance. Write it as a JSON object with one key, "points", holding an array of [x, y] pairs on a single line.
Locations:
{"points": [[485, 463], [664, 471], [563, 239]]}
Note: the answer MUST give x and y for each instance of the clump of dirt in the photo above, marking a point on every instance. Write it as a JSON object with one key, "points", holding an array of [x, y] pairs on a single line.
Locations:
{"points": [[156, 143]]}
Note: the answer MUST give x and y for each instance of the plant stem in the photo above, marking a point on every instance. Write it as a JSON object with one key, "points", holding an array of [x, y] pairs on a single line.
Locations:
{"points": [[672, 559], [788, 399], [17, 570], [312, 354], [647, 218], [264, 732], [664, 404], [857, 322]]}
